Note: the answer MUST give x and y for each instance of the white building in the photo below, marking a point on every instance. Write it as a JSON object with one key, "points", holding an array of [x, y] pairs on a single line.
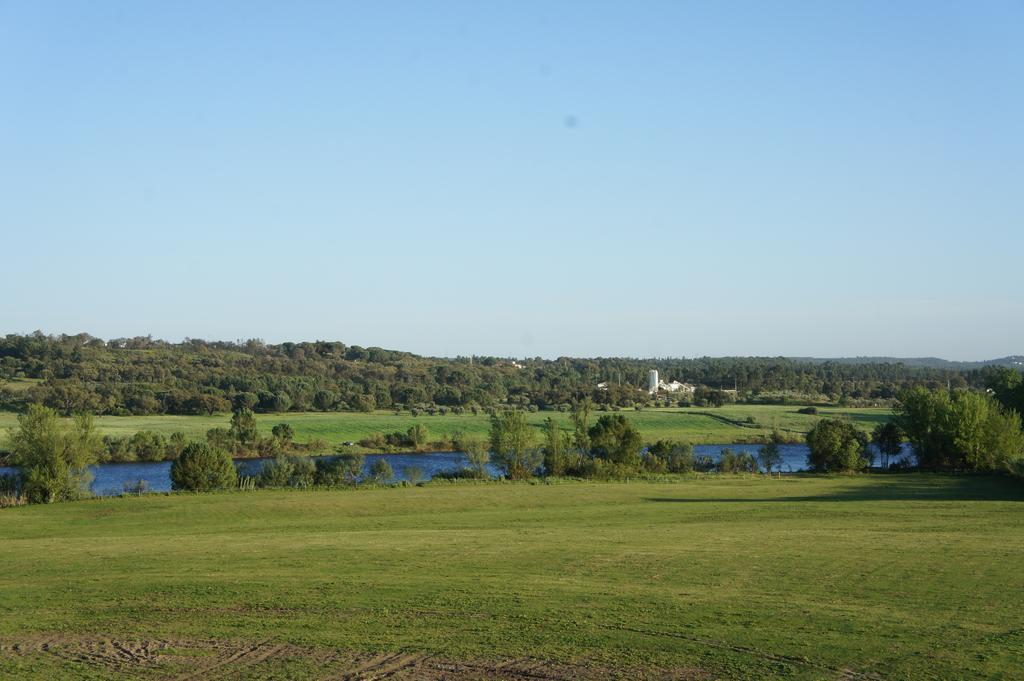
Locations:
{"points": [[677, 387], [652, 381]]}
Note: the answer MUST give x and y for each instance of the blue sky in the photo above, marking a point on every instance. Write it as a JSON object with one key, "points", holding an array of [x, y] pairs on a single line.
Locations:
{"points": [[645, 179]]}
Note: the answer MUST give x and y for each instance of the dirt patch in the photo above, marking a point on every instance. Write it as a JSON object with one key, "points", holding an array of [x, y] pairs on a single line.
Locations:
{"points": [[191, 660]]}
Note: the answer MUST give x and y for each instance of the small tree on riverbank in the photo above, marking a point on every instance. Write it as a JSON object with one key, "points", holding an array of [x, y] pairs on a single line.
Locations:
{"points": [[201, 469], [512, 445], [54, 460], [888, 439], [836, 446], [770, 457]]}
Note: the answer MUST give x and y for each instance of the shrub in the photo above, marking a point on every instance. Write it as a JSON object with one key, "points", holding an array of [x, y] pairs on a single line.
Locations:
{"points": [[459, 474], [381, 472], [414, 474], [836, 445], [668, 456], [283, 432], [200, 468], [812, 411], [287, 471], [148, 446], [769, 456], [139, 486], [343, 469], [736, 462]]}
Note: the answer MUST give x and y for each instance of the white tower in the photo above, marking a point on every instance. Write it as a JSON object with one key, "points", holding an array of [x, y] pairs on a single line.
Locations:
{"points": [[652, 381]]}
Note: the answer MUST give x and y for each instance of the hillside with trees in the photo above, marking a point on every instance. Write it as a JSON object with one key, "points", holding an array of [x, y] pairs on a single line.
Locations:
{"points": [[140, 376]]}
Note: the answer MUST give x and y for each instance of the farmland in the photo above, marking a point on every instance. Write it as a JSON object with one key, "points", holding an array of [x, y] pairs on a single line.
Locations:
{"points": [[735, 423]]}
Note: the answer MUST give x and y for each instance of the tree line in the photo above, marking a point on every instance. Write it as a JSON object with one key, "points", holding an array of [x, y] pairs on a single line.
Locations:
{"points": [[140, 376]]}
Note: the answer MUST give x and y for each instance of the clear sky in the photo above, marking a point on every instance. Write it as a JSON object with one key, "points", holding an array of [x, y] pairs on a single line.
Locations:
{"points": [[518, 178]]}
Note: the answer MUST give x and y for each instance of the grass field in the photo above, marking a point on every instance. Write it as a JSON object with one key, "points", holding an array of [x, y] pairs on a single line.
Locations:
{"points": [[863, 577], [697, 425]]}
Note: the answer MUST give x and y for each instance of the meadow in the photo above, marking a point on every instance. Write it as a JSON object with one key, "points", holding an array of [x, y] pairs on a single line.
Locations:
{"points": [[724, 425], [850, 577]]}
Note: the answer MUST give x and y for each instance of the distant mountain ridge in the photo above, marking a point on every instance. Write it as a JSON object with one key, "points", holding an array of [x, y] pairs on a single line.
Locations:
{"points": [[1013, 361]]}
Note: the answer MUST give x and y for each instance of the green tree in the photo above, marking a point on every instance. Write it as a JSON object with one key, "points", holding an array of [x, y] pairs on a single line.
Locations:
{"points": [[200, 469], [365, 403], [615, 439], [556, 448], [1008, 387], [414, 474], [243, 427], [512, 445], [54, 460], [888, 439], [923, 416], [671, 456], [418, 435], [836, 445], [284, 433], [381, 472], [343, 469], [770, 457], [219, 438], [287, 471], [148, 446], [581, 410], [476, 451], [959, 430]]}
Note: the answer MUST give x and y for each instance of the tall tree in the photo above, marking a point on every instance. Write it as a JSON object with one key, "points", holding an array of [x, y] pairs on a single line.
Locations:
{"points": [[888, 439], [556, 448], [770, 457], [581, 409], [512, 445], [476, 451], [54, 460], [243, 426], [615, 439]]}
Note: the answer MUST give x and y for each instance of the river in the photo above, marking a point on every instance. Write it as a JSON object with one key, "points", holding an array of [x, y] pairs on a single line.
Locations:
{"points": [[113, 478]]}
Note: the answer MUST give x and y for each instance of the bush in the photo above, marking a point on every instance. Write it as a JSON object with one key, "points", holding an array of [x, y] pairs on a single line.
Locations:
{"points": [[200, 468], [139, 486], [343, 469], [812, 411], [836, 445], [381, 472], [148, 446], [460, 474], [287, 471], [283, 432], [667, 456], [414, 474], [736, 462]]}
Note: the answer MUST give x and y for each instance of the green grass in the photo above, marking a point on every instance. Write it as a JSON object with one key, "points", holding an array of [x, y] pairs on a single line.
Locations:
{"points": [[898, 576], [697, 425]]}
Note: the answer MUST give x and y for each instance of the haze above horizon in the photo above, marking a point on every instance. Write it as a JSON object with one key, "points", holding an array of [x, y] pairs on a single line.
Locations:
{"points": [[572, 179]]}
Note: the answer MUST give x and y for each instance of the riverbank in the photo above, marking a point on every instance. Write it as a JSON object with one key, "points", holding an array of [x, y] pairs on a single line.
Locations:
{"points": [[111, 479], [723, 577]]}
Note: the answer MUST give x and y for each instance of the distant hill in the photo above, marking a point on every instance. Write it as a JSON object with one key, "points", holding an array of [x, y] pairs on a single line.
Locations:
{"points": [[1014, 361]]}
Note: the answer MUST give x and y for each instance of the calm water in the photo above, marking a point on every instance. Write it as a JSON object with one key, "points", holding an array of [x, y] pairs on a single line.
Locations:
{"points": [[111, 478]]}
